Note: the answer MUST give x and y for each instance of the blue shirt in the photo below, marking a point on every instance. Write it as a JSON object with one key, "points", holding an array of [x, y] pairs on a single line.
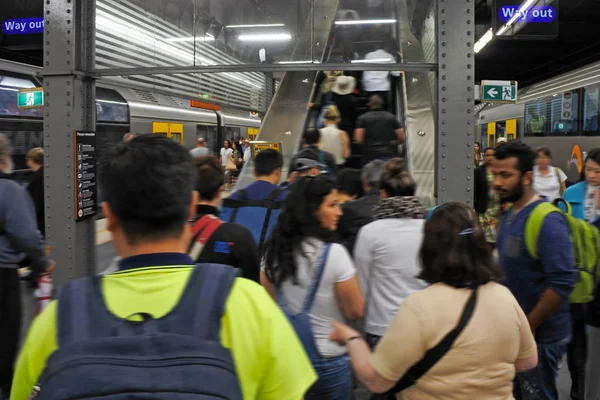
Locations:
{"points": [[260, 190], [528, 278]]}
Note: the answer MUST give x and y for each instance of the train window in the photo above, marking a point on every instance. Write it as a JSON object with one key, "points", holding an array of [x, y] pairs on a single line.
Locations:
{"points": [[232, 133], [484, 137], [591, 95], [110, 106], [564, 113], [209, 134], [536, 117], [9, 89]]}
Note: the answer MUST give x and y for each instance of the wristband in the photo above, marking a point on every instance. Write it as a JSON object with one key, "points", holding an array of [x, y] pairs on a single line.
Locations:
{"points": [[353, 338]]}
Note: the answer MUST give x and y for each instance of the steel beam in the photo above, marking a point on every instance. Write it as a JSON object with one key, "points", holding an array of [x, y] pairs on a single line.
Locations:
{"points": [[408, 67], [69, 45], [456, 121]]}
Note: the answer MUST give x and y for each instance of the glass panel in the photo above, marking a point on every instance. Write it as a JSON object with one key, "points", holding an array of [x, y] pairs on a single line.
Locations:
{"points": [[209, 134], [536, 117], [10, 84], [590, 110], [484, 137], [110, 106]]}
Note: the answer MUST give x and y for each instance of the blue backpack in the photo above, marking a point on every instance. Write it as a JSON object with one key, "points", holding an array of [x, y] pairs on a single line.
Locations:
{"points": [[258, 216], [178, 356]]}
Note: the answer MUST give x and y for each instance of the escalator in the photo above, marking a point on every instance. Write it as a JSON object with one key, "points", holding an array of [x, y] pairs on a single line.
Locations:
{"points": [[289, 115]]}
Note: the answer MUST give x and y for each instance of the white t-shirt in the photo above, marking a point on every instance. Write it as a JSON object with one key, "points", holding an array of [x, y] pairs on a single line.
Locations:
{"points": [[225, 154], [338, 268], [377, 81], [589, 204], [386, 256], [548, 185]]}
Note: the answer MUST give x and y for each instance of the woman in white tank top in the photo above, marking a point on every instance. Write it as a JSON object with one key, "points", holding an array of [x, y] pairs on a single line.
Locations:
{"points": [[333, 140]]}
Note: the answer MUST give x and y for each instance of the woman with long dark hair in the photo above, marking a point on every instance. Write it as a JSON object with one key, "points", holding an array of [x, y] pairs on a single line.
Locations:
{"points": [[494, 338], [314, 281]]}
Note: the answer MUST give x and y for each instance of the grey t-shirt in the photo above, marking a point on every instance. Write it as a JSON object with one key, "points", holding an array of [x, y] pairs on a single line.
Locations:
{"points": [[200, 152]]}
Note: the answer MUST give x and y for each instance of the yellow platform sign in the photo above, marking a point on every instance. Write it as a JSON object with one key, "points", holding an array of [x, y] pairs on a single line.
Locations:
{"points": [[258, 147]]}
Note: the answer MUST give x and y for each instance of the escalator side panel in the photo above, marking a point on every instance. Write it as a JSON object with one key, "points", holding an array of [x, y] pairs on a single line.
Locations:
{"points": [[419, 108], [286, 117]]}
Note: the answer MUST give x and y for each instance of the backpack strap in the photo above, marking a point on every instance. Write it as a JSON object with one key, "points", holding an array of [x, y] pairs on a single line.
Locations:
{"points": [[77, 301], [203, 302], [202, 231], [435, 354], [309, 299], [533, 226], [271, 199]]}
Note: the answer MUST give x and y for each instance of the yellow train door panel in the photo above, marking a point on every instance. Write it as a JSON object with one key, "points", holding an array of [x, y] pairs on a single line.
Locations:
{"points": [[491, 132], [511, 129], [173, 131]]}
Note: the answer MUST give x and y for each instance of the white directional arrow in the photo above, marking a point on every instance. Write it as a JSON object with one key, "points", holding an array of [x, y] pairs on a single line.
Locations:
{"points": [[492, 92]]}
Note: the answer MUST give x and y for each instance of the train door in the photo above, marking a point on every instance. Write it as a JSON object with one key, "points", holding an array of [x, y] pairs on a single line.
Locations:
{"points": [[173, 131]]}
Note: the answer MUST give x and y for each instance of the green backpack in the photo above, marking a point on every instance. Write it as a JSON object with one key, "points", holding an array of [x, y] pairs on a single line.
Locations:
{"points": [[586, 251]]}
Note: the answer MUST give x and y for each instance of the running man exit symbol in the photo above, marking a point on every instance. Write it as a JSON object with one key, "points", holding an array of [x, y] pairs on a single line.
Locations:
{"points": [[498, 91], [30, 99]]}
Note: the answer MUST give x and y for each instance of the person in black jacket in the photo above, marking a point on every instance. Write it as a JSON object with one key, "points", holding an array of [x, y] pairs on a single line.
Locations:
{"points": [[35, 162], [358, 213], [230, 244]]}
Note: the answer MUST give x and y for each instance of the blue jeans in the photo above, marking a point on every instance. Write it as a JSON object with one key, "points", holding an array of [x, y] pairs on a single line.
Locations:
{"points": [[335, 379], [540, 383]]}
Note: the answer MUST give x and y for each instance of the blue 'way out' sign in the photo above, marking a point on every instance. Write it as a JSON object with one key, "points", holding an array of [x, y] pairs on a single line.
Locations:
{"points": [[23, 26]]}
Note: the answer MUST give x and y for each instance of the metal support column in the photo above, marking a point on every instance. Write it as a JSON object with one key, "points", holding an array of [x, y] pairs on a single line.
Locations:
{"points": [[69, 48], [456, 121]]}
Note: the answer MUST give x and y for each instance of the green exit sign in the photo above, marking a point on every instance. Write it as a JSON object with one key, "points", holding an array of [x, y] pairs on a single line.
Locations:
{"points": [[499, 91], [30, 98]]}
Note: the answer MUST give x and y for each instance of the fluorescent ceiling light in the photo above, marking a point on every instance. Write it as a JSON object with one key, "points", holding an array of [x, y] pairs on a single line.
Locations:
{"points": [[375, 60], [9, 89], [16, 82], [207, 38], [299, 62], [366, 22], [254, 26], [279, 37], [111, 102], [484, 40]]}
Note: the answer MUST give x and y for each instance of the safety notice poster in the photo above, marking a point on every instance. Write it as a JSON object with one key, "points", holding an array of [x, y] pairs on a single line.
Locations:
{"points": [[86, 186]]}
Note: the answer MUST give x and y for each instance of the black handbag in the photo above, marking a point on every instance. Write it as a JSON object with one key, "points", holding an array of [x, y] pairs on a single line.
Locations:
{"points": [[435, 354]]}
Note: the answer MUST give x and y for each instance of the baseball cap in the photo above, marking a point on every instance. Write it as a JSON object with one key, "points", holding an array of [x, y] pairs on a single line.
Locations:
{"points": [[304, 164]]}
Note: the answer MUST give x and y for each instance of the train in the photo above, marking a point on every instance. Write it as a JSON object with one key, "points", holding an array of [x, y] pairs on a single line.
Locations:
{"points": [[560, 113], [120, 110]]}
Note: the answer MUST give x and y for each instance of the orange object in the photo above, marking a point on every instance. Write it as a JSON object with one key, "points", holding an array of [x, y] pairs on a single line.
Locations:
{"points": [[206, 106]]}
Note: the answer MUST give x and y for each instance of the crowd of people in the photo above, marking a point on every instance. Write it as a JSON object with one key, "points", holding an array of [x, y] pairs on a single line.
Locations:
{"points": [[310, 287]]}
